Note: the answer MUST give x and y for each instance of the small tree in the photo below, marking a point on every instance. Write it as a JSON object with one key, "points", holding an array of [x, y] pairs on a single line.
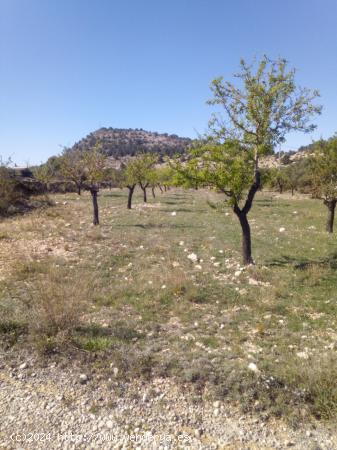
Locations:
{"points": [[293, 176], [323, 168], [144, 167], [127, 178], [153, 181], [259, 113], [44, 174], [139, 170], [94, 163], [72, 167], [166, 176], [278, 178]]}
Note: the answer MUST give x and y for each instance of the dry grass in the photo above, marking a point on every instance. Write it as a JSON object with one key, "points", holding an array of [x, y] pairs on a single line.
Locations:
{"points": [[57, 306]]}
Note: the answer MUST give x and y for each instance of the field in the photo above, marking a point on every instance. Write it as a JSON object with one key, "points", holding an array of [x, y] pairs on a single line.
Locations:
{"points": [[159, 291]]}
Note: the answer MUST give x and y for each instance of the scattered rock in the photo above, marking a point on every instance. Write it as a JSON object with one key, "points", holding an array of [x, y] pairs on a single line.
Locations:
{"points": [[192, 257], [253, 367], [109, 424], [83, 378]]}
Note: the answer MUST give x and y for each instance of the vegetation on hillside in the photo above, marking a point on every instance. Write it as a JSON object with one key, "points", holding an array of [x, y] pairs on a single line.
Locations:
{"points": [[119, 143]]}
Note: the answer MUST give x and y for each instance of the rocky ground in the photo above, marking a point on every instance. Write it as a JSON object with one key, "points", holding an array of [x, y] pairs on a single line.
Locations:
{"points": [[55, 405]]}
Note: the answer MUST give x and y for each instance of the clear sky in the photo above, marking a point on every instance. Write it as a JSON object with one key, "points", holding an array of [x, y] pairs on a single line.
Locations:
{"points": [[68, 67]]}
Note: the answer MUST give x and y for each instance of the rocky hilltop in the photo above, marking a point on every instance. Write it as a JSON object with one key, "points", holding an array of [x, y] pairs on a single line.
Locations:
{"points": [[121, 142]]}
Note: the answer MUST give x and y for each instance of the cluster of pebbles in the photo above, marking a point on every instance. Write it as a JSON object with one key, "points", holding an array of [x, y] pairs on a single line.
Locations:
{"points": [[63, 407]]}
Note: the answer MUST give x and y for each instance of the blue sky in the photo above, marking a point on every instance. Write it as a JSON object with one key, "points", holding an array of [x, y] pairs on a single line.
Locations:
{"points": [[69, 67]]}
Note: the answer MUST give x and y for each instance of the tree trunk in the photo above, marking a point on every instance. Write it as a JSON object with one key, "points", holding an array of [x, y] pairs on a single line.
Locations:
{"points": [[94, 191], [161, 189], [79, 189], [246, 239], [144, 194], [331, 204], [242, 216], [153, 194], [131, 189]]}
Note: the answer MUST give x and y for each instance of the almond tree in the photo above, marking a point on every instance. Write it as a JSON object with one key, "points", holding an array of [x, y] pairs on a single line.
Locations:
{"points": [[258, 112], [278, 178], [44, 174], [293, 176], [126, 177], [138, 170], [94, 163], [144, 168], [323, 171], [72, 167], [165, 176]]}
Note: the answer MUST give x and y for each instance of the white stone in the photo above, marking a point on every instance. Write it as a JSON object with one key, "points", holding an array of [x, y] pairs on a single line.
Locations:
{"points": [[253, 367], [83, 378], [192, 257]]}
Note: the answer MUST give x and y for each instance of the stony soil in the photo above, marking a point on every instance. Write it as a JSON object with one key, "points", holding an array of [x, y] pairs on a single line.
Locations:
{"points": [[61, 405]]}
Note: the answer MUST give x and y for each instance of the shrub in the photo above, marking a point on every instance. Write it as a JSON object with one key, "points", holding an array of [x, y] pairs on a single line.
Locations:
{"points": [[58, 303], [9, 194]]}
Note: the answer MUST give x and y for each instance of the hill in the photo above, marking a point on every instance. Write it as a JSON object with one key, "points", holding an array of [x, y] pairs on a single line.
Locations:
{"points": [[121, 142]]}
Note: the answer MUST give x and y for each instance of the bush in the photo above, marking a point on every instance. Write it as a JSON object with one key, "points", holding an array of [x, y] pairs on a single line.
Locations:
{"points": [[9, 194], [58, 303]]}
